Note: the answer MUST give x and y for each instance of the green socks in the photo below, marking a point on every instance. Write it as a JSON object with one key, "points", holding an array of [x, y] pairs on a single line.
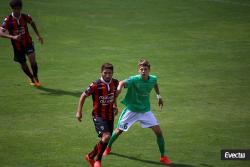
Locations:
{"points": [[161, 144], [112, 139]]}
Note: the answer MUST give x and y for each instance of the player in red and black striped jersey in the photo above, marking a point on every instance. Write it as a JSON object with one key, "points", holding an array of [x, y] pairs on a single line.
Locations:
{"points": [[104, 109], [103, 97], [16, 24]]}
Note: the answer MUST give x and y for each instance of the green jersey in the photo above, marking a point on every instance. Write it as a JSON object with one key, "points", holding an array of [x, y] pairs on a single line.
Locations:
{"points": [[137, 98]]}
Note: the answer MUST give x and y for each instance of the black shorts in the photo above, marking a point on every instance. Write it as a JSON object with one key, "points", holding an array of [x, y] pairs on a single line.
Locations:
{"points": [[19, 54], [103, 126]]}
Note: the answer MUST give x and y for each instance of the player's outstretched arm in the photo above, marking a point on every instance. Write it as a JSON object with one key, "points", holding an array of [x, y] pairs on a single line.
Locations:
{"points": [[120, 87], [39, 38], [6, 35], [115, 109], [80, 106], [157, 91]]}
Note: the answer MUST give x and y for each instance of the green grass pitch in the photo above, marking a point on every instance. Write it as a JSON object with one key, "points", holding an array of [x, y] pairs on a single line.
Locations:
{"points": [[199, 49]]}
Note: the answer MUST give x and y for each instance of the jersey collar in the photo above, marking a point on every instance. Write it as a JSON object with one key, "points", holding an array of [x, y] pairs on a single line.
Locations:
{"points": [[17, 19], [107, 83]]}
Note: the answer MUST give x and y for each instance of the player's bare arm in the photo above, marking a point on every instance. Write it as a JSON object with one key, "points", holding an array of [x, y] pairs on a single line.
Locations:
{"points": [[4, 34], [157, 91], [80, 106], [39, 38], [120, 87], [115, 108]]}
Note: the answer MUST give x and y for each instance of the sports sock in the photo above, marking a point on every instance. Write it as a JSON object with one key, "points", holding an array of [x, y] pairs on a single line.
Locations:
{"points": [[101, 148], [161, 144], [26, 70], [112, 139], [93, 153], [35, 69]]}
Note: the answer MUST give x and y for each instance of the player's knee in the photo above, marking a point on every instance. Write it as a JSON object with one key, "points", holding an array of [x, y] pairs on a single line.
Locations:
{"points": [[105, 138], [118, 132], [157, 131], [32, 58]]}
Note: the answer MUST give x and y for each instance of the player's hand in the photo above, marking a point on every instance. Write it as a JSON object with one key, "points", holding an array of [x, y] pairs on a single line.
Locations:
{"points": [[160, 102], [16, 37], [117, 92], [40, 39], [115, 109], [79, 116]]}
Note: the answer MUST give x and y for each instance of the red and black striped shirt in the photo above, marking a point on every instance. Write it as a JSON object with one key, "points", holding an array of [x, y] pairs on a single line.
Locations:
{"points": [[103, 95], [18, 26]]}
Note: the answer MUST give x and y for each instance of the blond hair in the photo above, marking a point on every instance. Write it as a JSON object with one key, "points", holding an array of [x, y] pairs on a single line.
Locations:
{"points": [[143, 62]]}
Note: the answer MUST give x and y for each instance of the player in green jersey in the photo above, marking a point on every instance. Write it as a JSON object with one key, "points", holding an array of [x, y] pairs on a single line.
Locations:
{"points": [[137, 107]]}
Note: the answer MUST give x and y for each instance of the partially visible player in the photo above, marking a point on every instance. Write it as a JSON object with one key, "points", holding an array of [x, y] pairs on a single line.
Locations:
{"points": [[104, 108], [137, 107], [15, 27]]}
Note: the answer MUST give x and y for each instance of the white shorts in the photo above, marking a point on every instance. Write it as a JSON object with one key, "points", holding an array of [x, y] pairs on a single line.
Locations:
{"points": [[128, 118]]}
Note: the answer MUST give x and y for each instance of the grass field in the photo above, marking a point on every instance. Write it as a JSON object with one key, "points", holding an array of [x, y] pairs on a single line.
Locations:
{"points": [[199, 49]]}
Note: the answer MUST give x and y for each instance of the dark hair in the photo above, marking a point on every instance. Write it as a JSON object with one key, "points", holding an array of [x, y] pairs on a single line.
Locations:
{"points": [[107, 66], [144, 62], [16, 3]]}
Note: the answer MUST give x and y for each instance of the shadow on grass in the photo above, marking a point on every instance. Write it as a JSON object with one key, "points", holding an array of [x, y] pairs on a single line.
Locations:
{"points": [[59, 92], [148, 161], [206, 165]]}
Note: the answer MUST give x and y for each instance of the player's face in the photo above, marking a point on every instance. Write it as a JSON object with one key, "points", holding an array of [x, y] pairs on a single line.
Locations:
{"points": [[144, 71], [107, 74], [16, 10]]}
